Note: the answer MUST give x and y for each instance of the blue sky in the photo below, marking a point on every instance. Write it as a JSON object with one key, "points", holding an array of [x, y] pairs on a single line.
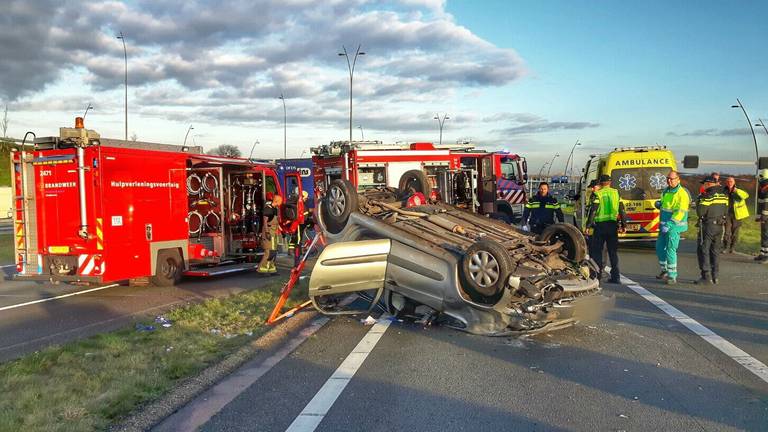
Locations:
{"points": [[531, 77]]}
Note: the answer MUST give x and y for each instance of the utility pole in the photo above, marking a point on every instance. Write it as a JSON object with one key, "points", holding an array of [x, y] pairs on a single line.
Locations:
{"points": [[440, 123], [125, 53], [285, 128]]}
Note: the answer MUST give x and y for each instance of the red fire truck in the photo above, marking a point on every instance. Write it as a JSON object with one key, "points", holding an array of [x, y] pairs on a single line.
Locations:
{"points": [[100, 210], [485, 182]]}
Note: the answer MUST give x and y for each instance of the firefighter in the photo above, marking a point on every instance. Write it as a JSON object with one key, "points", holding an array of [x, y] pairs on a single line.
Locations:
{"points": [[674, 204], [712, 209], [762, 203], [542, 210], [607, 220], [270, 230], [737, 211], [295, 240]]}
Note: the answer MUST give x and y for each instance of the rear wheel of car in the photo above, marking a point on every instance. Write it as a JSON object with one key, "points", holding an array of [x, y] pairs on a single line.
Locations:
{"points": [[339, 202], [574, 244], [484, 271], [168, 269], [416, 179]]}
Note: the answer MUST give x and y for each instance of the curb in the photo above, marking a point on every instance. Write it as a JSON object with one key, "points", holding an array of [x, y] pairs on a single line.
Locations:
{"points": [[158, 410]]}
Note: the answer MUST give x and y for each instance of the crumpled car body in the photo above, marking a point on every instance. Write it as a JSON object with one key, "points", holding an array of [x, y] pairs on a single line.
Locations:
{"points": [[480, 275]]}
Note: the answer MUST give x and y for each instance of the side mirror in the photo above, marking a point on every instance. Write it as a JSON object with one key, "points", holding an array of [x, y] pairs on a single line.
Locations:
{"points": [[762, 163], [691, 162]]}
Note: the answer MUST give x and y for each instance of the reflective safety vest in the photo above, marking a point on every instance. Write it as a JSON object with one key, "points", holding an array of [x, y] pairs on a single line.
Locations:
{"points": [[607, 200], [739, 198], [674, 206]]}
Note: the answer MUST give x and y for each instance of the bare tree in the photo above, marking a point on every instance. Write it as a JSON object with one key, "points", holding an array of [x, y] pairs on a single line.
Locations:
{"points": [[227, 150], [4, 122], [134, 137]]}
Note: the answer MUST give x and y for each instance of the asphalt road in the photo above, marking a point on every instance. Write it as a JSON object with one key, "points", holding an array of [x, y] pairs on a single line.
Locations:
{"points": [[27, 328], [637, 369]]}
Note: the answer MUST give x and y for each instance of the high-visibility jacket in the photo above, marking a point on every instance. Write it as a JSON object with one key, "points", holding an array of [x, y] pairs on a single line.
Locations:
{"points": [[675, 203], [712, 205], [737, 203], [542, 210], [608, 201]]}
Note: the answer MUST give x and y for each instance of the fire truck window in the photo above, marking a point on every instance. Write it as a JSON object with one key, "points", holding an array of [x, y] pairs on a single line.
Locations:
{"points": [[271, 185], [292, 188], [469, 163], [371, 177], [509, 169]]}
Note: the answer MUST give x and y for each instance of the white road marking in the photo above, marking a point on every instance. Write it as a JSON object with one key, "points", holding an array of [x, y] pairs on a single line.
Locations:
{"points": [[7, 266], [57, 297], [737, 354], [318, 407]]}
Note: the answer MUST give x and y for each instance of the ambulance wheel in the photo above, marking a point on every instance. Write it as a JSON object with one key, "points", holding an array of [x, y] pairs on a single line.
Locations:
{"points": [[416, 179], [575, 246], [339, 202], [484, 271], [168, 269]]}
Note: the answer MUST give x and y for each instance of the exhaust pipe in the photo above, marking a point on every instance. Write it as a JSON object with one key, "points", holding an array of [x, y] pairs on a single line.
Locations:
{"points": [[79, 124]]}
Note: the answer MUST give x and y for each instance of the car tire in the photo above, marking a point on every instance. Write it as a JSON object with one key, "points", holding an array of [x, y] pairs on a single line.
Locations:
{"points": [[339, 202], [485, 268], [573, 240], [416, 179], [168, 269]]}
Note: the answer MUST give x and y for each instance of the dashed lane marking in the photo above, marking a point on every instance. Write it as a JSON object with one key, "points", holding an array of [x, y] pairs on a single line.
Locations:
{"points": [[737, 354], [318, 407], [57, 297]]}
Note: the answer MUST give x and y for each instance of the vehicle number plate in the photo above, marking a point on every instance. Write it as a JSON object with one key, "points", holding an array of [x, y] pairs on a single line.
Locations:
{"points": [[633, 227]]}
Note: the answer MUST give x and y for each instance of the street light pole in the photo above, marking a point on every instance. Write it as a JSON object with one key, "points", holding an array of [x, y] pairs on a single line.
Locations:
{"points": [[570, 157], [552, 163], [440, 123], [285, 128], [252, 147], [362, 136], [187, 134], [88, 108], [760, 123], [754, 139], [125, 53], [351, 67], [542, 169]]}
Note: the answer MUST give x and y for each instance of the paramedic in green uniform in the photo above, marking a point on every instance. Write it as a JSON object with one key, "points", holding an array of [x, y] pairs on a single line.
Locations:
{"points": [[674, 204]]}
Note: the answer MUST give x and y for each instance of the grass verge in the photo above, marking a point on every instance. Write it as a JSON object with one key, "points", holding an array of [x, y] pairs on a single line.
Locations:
{"points": [[6, 248], [749, 234], [92, 383]]}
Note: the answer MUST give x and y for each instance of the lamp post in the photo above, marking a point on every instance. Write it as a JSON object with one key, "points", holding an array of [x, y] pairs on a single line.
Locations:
{"points": [[362, 136], [125, 54], [351, 67], [285, 128], [440, 123], [570, 159], [542, 170], [754, 139], [187, 134], [252, 147], [88, 108], [552, 163], [760, 123]]}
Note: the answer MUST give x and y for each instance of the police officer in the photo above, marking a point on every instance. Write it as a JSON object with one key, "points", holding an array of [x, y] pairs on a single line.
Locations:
{"points": [[542, 210], [607, 219], [712, 208], [737, 211], [762, 217], [674, 204], [270, 229]]}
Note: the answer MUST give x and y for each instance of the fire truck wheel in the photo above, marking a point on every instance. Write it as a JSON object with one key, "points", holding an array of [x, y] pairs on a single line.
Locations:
{"points": [[168, 269], [484, 271], [416, 179], [575, 246], [339, 202]]}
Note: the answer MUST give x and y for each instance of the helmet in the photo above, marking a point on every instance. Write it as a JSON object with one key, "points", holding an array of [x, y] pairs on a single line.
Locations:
{"points": [[764, 174]]}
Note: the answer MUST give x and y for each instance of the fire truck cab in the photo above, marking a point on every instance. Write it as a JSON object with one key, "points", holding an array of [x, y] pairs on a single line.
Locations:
{"points": [[91, 209], [490, 183]]}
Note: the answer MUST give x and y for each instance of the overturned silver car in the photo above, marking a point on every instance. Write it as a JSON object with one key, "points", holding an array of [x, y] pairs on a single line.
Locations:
{"points": [[476, 274]]}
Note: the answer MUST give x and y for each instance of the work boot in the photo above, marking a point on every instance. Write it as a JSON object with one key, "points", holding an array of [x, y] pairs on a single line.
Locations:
{"points": [[762, 259], [704, 280], [671, 281], [663, 276], [715, 280]]}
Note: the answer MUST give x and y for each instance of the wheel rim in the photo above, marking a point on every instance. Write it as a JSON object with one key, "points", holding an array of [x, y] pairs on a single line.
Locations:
{"points": [[336, 201], [483, 269], [169, 269]]}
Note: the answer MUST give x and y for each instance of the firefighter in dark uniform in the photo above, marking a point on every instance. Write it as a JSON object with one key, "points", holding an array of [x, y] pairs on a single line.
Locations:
{"points": [[712, 209], [762, 216], [542, 210], [606, 218], [270, 230]]}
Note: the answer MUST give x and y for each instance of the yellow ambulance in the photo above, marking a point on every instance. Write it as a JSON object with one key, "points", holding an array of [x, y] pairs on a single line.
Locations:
{"points": [[640, 175]]}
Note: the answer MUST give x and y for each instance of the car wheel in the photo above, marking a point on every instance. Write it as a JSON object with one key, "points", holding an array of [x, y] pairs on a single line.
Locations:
{"points": [[575, 246], [416, 179], [168, 269], [339, 202], [484, 269]]}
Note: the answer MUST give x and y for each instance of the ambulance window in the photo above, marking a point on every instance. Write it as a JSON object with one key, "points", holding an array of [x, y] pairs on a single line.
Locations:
{"points": [[508, 169], [371, 177], [639, 183]]}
